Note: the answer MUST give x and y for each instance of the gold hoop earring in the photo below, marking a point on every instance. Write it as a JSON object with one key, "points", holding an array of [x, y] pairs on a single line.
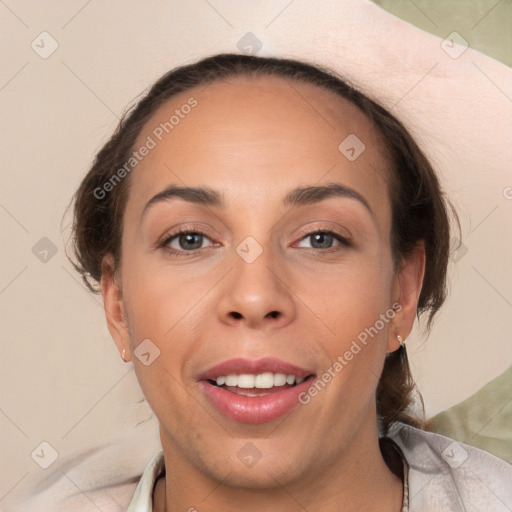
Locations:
{"points": [[122, 355], [401, 340]]}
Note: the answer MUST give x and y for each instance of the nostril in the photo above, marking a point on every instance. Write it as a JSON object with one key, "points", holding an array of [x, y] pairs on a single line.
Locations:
{"points": [[271, 314]]}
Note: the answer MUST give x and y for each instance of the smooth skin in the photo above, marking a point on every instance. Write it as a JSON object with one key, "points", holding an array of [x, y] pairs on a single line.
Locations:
{"points": [[303, 300]]}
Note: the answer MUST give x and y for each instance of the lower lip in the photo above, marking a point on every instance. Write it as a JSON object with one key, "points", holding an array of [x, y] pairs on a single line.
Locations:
{"points": [[255, 409]]}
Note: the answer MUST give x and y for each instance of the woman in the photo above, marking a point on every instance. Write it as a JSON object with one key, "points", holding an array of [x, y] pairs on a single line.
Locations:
{"points": [[264, 237]]}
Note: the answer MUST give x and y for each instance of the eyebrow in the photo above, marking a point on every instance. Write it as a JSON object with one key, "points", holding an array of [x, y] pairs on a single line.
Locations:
{"points": [[199, 195], [314, 194], [299, 196]]}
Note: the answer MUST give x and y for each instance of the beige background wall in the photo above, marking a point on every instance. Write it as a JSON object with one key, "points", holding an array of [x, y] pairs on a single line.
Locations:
{"points": [[61, 378]]}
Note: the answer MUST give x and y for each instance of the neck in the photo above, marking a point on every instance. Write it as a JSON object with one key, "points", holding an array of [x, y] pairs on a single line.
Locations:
{"points": [[356, 479]]}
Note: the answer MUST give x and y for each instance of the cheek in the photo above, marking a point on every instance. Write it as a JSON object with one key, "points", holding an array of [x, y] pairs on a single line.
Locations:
{"points": [[356, 307], [353, 312], [167, 306], [158, 297], [350, 296]]}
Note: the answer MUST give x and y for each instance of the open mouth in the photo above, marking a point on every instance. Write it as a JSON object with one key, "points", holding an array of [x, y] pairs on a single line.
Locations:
{"points": [[255, 391], [258, 385]]}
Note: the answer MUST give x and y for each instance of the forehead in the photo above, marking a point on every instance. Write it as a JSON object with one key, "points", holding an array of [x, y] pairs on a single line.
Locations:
{"points": [[258, 136]]}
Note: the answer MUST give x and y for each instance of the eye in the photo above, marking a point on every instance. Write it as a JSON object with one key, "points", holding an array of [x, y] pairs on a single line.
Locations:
{"points": [[322, 240], [187, 241]]}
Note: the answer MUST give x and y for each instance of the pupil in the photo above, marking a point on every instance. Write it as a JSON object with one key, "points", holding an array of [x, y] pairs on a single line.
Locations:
{"points": [[322, 240], [191, 241]]}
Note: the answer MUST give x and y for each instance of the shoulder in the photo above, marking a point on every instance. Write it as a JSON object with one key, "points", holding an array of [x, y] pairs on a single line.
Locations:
{"points": [[447, 475], [103, 476]]}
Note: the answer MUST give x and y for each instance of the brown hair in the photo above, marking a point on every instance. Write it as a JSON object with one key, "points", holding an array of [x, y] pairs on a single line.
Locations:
{"points": [[419, 209]]}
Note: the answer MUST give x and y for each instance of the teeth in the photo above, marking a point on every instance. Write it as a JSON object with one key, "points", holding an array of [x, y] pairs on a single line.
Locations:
{"points": [[279, 379], [232, 380], [246, 381], [261, 381]]}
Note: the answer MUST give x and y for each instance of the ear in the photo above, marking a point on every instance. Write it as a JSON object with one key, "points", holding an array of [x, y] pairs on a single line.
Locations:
{"points": [[406, 291], [114, 307]]}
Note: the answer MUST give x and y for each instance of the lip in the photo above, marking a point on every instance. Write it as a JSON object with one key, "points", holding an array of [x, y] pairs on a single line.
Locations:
{"points": [[254, 409]]}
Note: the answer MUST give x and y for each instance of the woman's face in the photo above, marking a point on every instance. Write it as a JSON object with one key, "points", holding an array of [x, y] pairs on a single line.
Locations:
{"points": [[251, 173]]}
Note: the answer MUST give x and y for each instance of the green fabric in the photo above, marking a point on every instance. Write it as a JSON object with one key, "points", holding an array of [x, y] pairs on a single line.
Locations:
{"points": [[483, 420], [484, 24]]}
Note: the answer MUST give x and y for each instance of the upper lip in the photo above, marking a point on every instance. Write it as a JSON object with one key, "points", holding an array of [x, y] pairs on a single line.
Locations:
{"points": [[240, 365]]}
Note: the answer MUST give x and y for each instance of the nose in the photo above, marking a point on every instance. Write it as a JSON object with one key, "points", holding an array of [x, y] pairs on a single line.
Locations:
{"points": [[257, 294]]}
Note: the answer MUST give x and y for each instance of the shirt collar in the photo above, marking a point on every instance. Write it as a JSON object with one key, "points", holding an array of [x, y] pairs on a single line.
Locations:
{"points": [[142, 500]]}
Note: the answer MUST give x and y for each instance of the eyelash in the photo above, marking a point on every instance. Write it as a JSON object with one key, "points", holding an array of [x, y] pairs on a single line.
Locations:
{"points": [[326, 231], [182, 231], [191, 230]]}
